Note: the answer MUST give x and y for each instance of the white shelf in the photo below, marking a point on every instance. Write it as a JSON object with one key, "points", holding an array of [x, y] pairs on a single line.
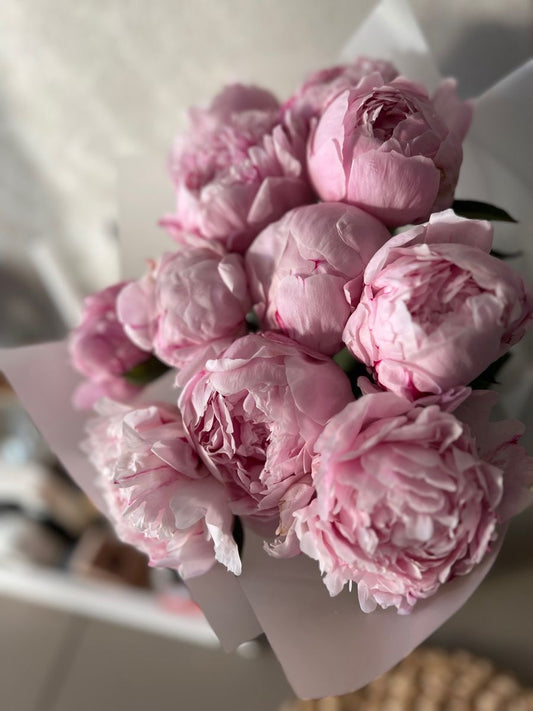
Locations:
{"points": [[104, 601]]}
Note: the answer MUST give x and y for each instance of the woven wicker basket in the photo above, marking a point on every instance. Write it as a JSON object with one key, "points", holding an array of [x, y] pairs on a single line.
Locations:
{"points": [[432, 680]]}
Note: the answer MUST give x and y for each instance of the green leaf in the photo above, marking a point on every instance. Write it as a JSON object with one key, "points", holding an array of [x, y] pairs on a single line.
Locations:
{"points": [[505, 255], [252, 321], [489, 377], [238, 534], [146, 372], [353, 368], [345, 360], [476, 210], [353, 377]]}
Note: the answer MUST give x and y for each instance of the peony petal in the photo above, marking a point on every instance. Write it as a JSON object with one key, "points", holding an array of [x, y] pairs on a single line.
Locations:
{"points": [[412, 186]]}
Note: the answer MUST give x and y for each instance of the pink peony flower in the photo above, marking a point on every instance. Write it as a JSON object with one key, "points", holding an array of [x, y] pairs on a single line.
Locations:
{"points": [[306, 271], [161, 499], [404, 502], [238, 168], [389, 149], [190, 301], [320, 87], [499, 444], [101, 350], [253, 417], [448, 401], [437, 309]]}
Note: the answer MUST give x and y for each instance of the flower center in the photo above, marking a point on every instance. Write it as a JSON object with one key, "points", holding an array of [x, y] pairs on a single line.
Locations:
{"points": [[430, 304]]}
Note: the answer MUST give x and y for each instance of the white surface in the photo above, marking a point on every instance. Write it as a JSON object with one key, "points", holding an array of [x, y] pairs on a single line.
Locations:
{"points": [[115, 669], [32, 639], [84, 84], [111, 603], [53, 661], [408, 50]]}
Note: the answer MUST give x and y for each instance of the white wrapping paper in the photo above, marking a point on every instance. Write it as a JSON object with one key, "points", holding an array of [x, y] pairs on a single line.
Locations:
{"points": [[44, 381], [328, 646]]}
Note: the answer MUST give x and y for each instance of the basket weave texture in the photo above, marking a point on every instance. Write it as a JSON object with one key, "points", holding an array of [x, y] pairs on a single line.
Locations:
{"points": [[432, 680]]}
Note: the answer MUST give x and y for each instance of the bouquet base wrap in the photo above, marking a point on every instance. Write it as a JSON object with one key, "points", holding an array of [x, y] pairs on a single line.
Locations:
{"points": [[328, 646], [45, 383]]}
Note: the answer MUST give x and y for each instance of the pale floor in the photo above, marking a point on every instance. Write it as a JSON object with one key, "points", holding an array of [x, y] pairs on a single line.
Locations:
{"points": [[56, 662], [52, 661]]}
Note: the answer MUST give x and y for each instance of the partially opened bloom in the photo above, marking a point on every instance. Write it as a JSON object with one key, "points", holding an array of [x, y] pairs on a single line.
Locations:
{"points": [[254, 415], [404, 502], [306, 271], [160, 498], [388, 148], [498, 442], [101, 350], [189, 301], [238, 168], [320, 87], [437, 309]]}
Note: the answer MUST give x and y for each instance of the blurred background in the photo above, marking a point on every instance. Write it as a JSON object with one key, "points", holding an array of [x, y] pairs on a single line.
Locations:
{"points": [[84, 88]]}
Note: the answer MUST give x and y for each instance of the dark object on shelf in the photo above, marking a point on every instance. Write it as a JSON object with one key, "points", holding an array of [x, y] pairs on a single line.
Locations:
{"points": [[27, 314], [432, 679], [100, 556]]}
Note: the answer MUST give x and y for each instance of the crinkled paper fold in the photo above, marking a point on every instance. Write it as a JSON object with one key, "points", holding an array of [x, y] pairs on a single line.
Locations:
{"points": [[326, 646], [44, 381]]}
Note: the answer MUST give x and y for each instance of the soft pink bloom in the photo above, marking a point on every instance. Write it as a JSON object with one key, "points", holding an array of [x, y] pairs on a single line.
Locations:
{"points": [[404, 502], [101, 350], [498, 442], [189, 301], [390, 149], [306, 271], [254, 415], [437, 309], [320, 87], [160, 498], [448, 401], [238, 168]]}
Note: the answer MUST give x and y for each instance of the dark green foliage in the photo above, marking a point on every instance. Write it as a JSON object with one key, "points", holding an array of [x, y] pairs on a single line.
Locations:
{"points": [[146, 372], [238, 534], [488, 377], [476, 210], [353, 368]]}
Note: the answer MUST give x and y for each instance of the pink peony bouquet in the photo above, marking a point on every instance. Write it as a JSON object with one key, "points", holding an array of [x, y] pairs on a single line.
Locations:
{"points": [[321, 334]]}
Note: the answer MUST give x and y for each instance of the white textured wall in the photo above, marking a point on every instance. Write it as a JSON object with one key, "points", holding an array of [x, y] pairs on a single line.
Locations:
{"points": [[84, 83]]}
